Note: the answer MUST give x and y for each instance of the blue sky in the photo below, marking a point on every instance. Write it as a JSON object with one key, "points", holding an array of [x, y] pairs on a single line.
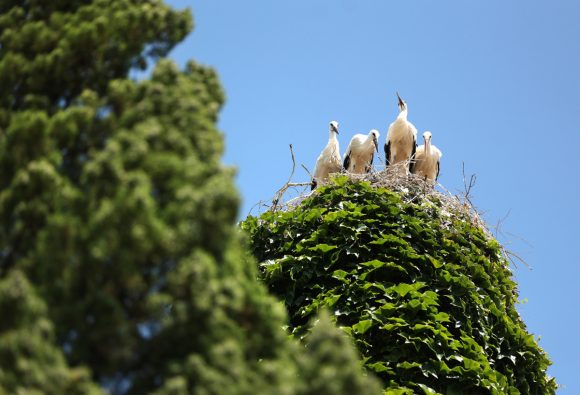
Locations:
{"points": [[497, 82]]}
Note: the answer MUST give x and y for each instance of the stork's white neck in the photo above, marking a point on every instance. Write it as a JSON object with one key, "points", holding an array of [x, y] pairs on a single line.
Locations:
{"points": [[332, 136], [403, 113]]}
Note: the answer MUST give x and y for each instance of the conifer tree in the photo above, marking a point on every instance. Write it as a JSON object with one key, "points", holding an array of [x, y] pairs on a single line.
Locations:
{"points": [[30, 363], [120, 265]]}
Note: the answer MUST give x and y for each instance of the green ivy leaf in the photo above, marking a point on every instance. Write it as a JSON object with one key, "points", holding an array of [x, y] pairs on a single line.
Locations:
{"points": [[339, 274], [323, 248], [375, 263], [402, 289], [331, 300], [362, 326], [428, 390], [442, 317], [379, 367]]}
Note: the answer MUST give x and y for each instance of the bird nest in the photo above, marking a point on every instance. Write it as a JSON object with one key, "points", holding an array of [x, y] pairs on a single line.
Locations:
{"points": [[412, 188]]}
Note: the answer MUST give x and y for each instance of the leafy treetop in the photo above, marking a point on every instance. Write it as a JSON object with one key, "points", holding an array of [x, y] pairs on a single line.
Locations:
{"points": [[425, 294]]}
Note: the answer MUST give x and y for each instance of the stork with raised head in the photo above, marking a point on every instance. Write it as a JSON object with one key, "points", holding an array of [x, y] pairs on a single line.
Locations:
{"points": [[401, 138], [329, 159], [359, 155], [427, 159]]}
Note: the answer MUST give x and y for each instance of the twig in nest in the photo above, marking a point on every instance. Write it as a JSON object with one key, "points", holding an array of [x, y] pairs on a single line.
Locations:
{"points": [[261, 203], [310, 174], [288, 184], [512, 257], [283, 190], [509, 255], [381, 161], [499, 224], [467, 186], [293, 164]]}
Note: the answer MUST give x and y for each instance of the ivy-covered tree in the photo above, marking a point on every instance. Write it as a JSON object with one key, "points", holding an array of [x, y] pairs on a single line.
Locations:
{"points": [[424, 291], [120, 263]]}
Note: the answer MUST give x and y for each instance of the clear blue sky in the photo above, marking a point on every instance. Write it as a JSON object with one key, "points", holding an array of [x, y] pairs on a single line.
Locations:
{"points": [[497, 82]]}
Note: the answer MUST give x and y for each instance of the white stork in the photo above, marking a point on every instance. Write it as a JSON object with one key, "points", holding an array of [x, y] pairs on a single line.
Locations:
{"points": [[401, 138], [427, 159], [359, 155], [329, 159]]}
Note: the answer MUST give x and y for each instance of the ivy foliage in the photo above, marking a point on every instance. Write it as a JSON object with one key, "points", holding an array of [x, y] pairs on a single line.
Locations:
{"points": [[425, 294]]}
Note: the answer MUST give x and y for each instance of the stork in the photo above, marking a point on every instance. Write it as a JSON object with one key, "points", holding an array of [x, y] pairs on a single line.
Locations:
{"points": [[401, 138], [427, 159], [359, 155], [329, 159]]}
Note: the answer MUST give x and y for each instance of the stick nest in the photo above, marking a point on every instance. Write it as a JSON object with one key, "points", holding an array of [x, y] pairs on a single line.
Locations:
{"points": [[412, 189]]}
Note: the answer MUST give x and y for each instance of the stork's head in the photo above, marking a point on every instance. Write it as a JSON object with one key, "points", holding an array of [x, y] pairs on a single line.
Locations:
{"points": [[402, 103], [334, 126], [374, 135], [427, 140]]}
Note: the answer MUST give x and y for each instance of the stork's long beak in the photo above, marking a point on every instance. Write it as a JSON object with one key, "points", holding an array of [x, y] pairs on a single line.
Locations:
{"points": [[376, 144], [335, 129], [401, 103]]}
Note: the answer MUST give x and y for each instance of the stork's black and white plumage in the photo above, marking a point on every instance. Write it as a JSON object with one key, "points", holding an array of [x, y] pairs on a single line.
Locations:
{"points": [[401, 138], [427, 159], [359, 155], [329, 159]]}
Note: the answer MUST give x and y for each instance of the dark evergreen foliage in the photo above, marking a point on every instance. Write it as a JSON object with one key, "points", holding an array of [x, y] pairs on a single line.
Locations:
{"points": [[120, 263]]}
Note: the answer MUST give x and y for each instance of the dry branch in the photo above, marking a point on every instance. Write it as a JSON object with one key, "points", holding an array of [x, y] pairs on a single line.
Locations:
{"points": [[468, 186], [288, 184]]}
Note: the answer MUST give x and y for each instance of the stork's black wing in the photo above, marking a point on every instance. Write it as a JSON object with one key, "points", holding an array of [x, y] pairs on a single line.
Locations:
{"points": [[313, 184], [346, 162], [388, 153], [412, 158]]}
